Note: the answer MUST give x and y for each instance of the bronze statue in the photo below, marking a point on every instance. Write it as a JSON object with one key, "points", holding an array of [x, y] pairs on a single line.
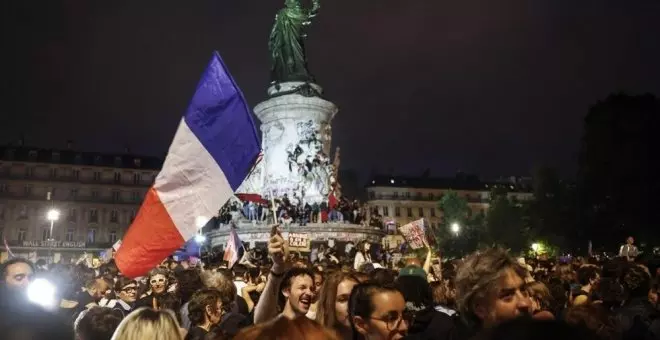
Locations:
{"points": [[287, 42]]}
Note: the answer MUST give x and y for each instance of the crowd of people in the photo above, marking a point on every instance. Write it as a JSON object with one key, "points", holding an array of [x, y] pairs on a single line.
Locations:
{"points": [[489, 294], [292, 211]]}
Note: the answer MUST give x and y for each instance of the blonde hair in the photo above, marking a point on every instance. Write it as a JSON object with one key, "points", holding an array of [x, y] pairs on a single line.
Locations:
{"points": [[148, 323]]}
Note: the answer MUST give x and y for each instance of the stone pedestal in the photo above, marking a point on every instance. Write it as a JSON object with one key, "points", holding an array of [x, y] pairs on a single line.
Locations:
{"points": [[296, 142], [323, 232]]}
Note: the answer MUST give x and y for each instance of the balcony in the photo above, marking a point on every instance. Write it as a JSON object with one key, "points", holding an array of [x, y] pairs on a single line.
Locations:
{"points": [[71, 179], [416, 198], [78, 199]]}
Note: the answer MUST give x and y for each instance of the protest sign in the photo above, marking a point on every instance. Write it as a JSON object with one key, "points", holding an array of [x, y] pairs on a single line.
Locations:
{"points": [[299, 242], [414, 233]]}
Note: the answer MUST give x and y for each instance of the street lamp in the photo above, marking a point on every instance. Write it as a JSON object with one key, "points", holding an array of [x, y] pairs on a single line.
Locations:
{"points": [[455, 228], [535, 247], [52, 215], [199, 238]]}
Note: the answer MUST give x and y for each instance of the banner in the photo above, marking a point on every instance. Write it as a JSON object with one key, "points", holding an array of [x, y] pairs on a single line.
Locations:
{"points": [[53, 244], [414, 233], [299, 242]]}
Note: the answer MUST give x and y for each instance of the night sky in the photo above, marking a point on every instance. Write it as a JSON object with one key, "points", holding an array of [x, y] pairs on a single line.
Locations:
{"points": [[482, 86]]}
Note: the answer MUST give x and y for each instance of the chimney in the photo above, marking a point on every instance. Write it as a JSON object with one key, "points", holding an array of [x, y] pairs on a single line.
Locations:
{"points": [[69, 144]]}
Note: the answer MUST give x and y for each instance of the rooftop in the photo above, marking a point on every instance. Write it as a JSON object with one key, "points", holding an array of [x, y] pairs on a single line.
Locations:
{"points": [[460, 182], [75, 157]]}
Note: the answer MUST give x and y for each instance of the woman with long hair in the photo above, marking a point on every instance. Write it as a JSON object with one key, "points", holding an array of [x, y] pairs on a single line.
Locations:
{"points": [[362, 255], [332, 309]]}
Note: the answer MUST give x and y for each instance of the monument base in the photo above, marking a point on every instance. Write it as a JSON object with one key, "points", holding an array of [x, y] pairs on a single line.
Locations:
{"points": [[259, 234], [296, 141]]}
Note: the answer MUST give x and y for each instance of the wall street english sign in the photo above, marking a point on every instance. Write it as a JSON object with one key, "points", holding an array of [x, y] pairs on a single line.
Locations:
{"points": [[53, 244]]}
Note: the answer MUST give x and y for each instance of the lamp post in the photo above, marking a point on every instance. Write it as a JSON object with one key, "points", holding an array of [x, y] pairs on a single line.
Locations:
{"points": [[455, 228], [52, 215]]}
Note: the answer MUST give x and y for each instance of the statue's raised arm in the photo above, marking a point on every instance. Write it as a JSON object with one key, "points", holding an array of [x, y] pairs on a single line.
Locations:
{"points": [[287, 42], [316, 6]]}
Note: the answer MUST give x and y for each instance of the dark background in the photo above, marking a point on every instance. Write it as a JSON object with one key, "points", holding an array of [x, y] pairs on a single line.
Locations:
{"points": [[488, 87]]}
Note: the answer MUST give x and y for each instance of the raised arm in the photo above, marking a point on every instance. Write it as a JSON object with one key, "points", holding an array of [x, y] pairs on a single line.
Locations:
{"points": [[316, 5], [266, 308]]}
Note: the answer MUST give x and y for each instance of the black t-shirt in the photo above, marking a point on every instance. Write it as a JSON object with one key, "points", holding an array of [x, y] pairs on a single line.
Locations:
{"points": [[196, 333]]}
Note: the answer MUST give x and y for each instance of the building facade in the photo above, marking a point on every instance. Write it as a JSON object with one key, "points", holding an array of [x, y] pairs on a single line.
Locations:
{"points": [[96, 195], [400, 200]]}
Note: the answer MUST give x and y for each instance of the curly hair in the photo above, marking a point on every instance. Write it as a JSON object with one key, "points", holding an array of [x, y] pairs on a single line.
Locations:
{"points": [[198, 303], [477, 278], [636, 281], [98, 323]]}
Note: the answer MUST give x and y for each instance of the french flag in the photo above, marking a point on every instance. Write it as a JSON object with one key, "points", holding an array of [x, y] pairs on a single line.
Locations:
{"points": [[234, 244], [214, 148]]}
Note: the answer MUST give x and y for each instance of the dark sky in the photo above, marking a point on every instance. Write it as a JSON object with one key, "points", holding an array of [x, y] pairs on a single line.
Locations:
{"points": [[482, 86]]}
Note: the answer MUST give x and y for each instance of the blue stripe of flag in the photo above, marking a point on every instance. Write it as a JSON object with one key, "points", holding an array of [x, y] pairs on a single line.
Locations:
{"points": [[220, 118]]}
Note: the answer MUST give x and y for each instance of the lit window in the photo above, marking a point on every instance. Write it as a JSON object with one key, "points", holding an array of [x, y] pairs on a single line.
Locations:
{"points": [[91, 235], [22, 233], [392, 181], [70, 234], [45, 234]]}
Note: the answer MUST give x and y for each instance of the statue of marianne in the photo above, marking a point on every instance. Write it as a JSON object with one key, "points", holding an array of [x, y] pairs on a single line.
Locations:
{"points": [[287, 42]]}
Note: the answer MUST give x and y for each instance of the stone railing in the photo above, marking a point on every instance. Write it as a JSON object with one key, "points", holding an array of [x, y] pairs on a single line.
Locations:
{"points": [[345, 232]]}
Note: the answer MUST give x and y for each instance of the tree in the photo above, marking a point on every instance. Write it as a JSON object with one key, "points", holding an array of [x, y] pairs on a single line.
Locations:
{"points": [[553, 214], [506, 221], [455, 210], [618, 178]]}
